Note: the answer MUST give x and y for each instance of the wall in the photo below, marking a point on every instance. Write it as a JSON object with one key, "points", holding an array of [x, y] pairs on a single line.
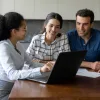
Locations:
{"points": [[38, 9]]}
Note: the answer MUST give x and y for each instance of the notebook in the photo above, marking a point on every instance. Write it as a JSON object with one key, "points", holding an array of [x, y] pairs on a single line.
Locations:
{"points": [[65, 68]]}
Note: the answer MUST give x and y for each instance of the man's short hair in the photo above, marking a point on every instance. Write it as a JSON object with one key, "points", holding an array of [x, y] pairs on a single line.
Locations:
{"points": [[86, 13]]}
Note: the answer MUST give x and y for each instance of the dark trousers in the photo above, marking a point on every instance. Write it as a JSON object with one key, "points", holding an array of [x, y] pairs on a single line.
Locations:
{"points": [[5, 89]]}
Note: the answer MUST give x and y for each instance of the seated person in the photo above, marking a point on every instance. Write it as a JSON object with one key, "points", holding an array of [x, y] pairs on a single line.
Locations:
{"points": [[47, 46], [13, 56], [84, 37]]}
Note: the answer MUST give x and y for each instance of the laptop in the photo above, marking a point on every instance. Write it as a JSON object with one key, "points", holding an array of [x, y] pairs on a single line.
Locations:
{"points": [[65, 68]]}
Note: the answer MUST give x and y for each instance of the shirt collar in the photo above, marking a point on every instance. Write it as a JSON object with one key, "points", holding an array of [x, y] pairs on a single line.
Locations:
{"points": [[43, 38], [10, 43], [8, 40]]}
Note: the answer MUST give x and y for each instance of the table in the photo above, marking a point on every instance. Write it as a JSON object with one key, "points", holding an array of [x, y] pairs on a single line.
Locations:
{"points": [[81, 88]]}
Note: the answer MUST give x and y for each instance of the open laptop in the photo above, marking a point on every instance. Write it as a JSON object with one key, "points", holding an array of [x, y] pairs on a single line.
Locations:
{"points": [[65, 68]]}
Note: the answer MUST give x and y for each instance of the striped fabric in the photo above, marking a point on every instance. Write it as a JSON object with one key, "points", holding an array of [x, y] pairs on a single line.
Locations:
{"points": [[38, 49]]}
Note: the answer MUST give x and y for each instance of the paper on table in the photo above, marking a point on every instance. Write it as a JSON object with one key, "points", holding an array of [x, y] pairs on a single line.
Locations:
{"points": [[85, 72]]}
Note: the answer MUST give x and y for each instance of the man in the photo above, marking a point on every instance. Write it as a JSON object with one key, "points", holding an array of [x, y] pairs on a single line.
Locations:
{"points": [[84, 37]]}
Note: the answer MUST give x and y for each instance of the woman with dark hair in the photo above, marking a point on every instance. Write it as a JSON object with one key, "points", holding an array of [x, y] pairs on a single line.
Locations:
{"points": [[47, 46], [12, 55]]}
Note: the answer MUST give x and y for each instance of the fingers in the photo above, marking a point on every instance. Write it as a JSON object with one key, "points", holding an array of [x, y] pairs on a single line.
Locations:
{"points": [[98, 67], [98, 71], [36, 60], [50, 63], [53, 62], [47, 67]]}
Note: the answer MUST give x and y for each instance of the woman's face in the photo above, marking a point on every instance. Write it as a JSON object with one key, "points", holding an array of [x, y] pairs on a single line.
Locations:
{"points": [[52, 28], [21, 32]]}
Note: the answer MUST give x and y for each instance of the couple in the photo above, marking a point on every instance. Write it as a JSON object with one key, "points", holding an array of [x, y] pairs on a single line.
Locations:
{"points": [[13, 57]]}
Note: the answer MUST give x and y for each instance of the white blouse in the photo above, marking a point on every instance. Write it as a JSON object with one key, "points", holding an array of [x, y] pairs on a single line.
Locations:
{"points": [[12, 63]]}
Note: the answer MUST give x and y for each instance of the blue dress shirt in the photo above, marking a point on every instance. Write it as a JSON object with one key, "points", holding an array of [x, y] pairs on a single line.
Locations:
{"points": [[92, 46]]}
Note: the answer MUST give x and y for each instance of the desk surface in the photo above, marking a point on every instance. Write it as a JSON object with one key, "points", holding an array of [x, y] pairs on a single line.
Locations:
{"points": [[81, 88]]}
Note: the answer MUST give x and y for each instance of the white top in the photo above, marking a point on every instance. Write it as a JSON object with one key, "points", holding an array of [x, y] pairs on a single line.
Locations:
{"points": [[12, 62], [38, 48]]}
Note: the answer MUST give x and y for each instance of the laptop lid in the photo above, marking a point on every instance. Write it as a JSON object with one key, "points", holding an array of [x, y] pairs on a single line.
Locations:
{"points": [[65, 68]]}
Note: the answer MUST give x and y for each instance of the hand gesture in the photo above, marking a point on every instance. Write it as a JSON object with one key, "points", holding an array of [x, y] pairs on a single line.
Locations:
{"points": [[47, 67]]}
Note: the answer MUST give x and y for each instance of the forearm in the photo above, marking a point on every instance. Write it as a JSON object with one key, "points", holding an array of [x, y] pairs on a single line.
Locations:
{"points": [[23, 74], [86, 64], [41, 61]]}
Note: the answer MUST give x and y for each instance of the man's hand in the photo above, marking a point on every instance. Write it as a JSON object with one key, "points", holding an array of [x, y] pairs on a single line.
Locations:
{"points": [[95, 66]]}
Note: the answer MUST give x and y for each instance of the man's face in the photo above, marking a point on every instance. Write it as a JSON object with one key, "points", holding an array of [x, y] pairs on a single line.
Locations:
{"points": [[83, 26]]}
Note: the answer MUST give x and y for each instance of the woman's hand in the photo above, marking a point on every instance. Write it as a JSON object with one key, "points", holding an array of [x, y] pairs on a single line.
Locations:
{"points": [[47, 67]]}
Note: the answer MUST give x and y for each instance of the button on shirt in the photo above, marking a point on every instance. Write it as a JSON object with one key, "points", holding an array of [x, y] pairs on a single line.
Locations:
{"points": [[92, 46], [38, 48]]}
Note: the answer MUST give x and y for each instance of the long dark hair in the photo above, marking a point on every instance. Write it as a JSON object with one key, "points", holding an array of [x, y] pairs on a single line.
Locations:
{"points": [[52, 15], [11, 20]]}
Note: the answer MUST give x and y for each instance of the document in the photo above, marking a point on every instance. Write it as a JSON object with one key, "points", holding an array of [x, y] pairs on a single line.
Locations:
{"points": [[86, 73]]}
